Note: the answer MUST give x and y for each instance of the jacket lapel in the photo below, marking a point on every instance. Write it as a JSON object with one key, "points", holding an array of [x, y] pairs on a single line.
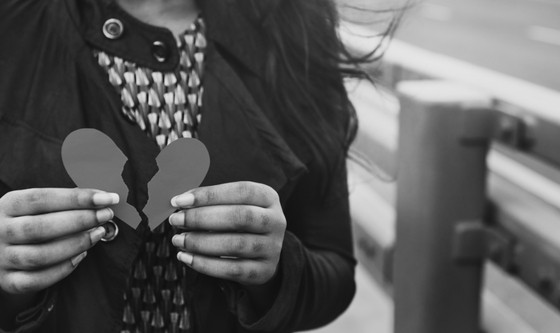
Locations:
{"points": [[243, 143], [101, 106]]}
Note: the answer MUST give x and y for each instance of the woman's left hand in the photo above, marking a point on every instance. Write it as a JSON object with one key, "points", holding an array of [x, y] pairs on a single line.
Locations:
{"points": [[233, 231]]}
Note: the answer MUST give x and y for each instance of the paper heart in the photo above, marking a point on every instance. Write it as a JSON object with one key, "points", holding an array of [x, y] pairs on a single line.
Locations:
{"points": [[93, 160]]}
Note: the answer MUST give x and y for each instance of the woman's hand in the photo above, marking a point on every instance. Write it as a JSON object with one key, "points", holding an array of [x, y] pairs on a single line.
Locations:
{"points": [[234, 231], [45, 233]]}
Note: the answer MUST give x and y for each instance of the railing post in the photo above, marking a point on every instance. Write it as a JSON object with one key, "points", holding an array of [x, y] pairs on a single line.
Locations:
{"points": [[440, 185]]}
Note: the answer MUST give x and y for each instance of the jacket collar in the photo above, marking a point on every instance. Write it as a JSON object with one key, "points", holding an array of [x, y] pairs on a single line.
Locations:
{"points": [[230, 29]]}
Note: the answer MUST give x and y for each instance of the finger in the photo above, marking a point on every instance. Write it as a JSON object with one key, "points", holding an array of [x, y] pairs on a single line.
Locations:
{"points": [[24, 282], [45, 227], [241, 193], [250, 219], [36, 257], [244, 246], [46, 200], [242, 271]]}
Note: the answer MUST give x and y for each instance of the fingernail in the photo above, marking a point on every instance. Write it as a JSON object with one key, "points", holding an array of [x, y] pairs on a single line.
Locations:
{"points": [[178, 240], [97, 234], [104, 215], [183, 200], [77, 259], [177, 219], [185, 257], [105, 199]]}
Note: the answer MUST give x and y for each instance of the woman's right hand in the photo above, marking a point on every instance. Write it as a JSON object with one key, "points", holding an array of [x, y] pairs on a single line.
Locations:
{"points": [[45, 233]]}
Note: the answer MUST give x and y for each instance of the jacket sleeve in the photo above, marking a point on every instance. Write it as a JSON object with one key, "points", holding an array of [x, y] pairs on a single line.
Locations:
{"points": [[316, 268], [31, 320]]}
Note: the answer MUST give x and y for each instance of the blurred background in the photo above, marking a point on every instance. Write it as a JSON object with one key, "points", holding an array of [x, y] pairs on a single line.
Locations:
{"points": [[516, 37], [520, 38], [497, 56]]}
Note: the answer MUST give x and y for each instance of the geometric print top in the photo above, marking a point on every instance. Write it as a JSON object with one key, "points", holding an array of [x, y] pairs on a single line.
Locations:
{"points": [[166, 106]]}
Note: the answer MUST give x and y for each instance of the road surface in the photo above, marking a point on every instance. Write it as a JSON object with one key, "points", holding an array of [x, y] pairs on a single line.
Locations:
{"points": [[520, 38]]}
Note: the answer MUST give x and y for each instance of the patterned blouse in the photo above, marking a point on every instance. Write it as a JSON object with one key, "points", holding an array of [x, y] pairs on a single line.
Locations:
{"points": [[166, 106]]}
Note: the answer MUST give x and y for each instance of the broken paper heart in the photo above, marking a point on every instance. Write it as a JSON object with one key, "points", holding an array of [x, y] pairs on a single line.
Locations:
{"points": [[94, 161]]}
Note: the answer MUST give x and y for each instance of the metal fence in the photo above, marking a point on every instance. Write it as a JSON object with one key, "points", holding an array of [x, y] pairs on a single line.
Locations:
{"points": [[455, 193]]}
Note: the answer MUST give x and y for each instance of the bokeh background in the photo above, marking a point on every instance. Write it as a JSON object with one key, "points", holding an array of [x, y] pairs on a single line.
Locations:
{"points": [[518, 38]]}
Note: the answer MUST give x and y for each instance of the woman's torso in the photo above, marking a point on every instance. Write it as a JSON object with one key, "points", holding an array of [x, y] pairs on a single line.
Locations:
{"points": [[64, 89]]}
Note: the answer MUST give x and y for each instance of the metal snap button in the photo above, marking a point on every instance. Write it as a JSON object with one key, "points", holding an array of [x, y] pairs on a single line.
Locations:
{"points": [[112, 230], [113, 28], [160, 51]]}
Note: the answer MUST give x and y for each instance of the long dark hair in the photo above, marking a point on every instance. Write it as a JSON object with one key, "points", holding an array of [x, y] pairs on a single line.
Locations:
{"points": [[306, 64]]}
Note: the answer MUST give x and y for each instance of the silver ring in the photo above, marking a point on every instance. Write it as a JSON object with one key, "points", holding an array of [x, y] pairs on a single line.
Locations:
{"points": [[112, 230]]}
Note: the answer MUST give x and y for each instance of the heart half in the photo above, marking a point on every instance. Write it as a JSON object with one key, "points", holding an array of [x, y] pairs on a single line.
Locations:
{"points": [[183, 164]]}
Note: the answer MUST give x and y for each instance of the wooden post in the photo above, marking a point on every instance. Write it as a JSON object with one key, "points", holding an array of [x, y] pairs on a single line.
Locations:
{"points": [[443, 143]]}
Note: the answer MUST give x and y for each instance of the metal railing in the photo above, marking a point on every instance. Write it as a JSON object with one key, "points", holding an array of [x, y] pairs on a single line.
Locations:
{"points": [[454, 168]]}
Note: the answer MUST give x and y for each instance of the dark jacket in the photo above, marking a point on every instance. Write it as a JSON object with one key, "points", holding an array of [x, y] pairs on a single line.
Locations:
{"points": [[51, 85]]}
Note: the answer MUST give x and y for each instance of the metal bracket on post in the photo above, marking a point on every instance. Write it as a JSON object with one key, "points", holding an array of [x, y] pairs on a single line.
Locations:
{"points": [[507, 128], [469, 243], [474, 241], [511, 130]]}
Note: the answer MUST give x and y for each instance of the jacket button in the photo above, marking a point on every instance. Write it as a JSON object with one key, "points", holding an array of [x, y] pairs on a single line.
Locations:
{"points": [[112, 230], [160, 51], [113, 28]]}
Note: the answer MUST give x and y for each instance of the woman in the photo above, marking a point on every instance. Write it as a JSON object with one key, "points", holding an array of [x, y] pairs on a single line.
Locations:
{"points": [[263, 245]]}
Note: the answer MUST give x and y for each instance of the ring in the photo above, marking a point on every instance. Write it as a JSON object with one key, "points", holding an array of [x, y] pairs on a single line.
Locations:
{"points": [[111, 231]]}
